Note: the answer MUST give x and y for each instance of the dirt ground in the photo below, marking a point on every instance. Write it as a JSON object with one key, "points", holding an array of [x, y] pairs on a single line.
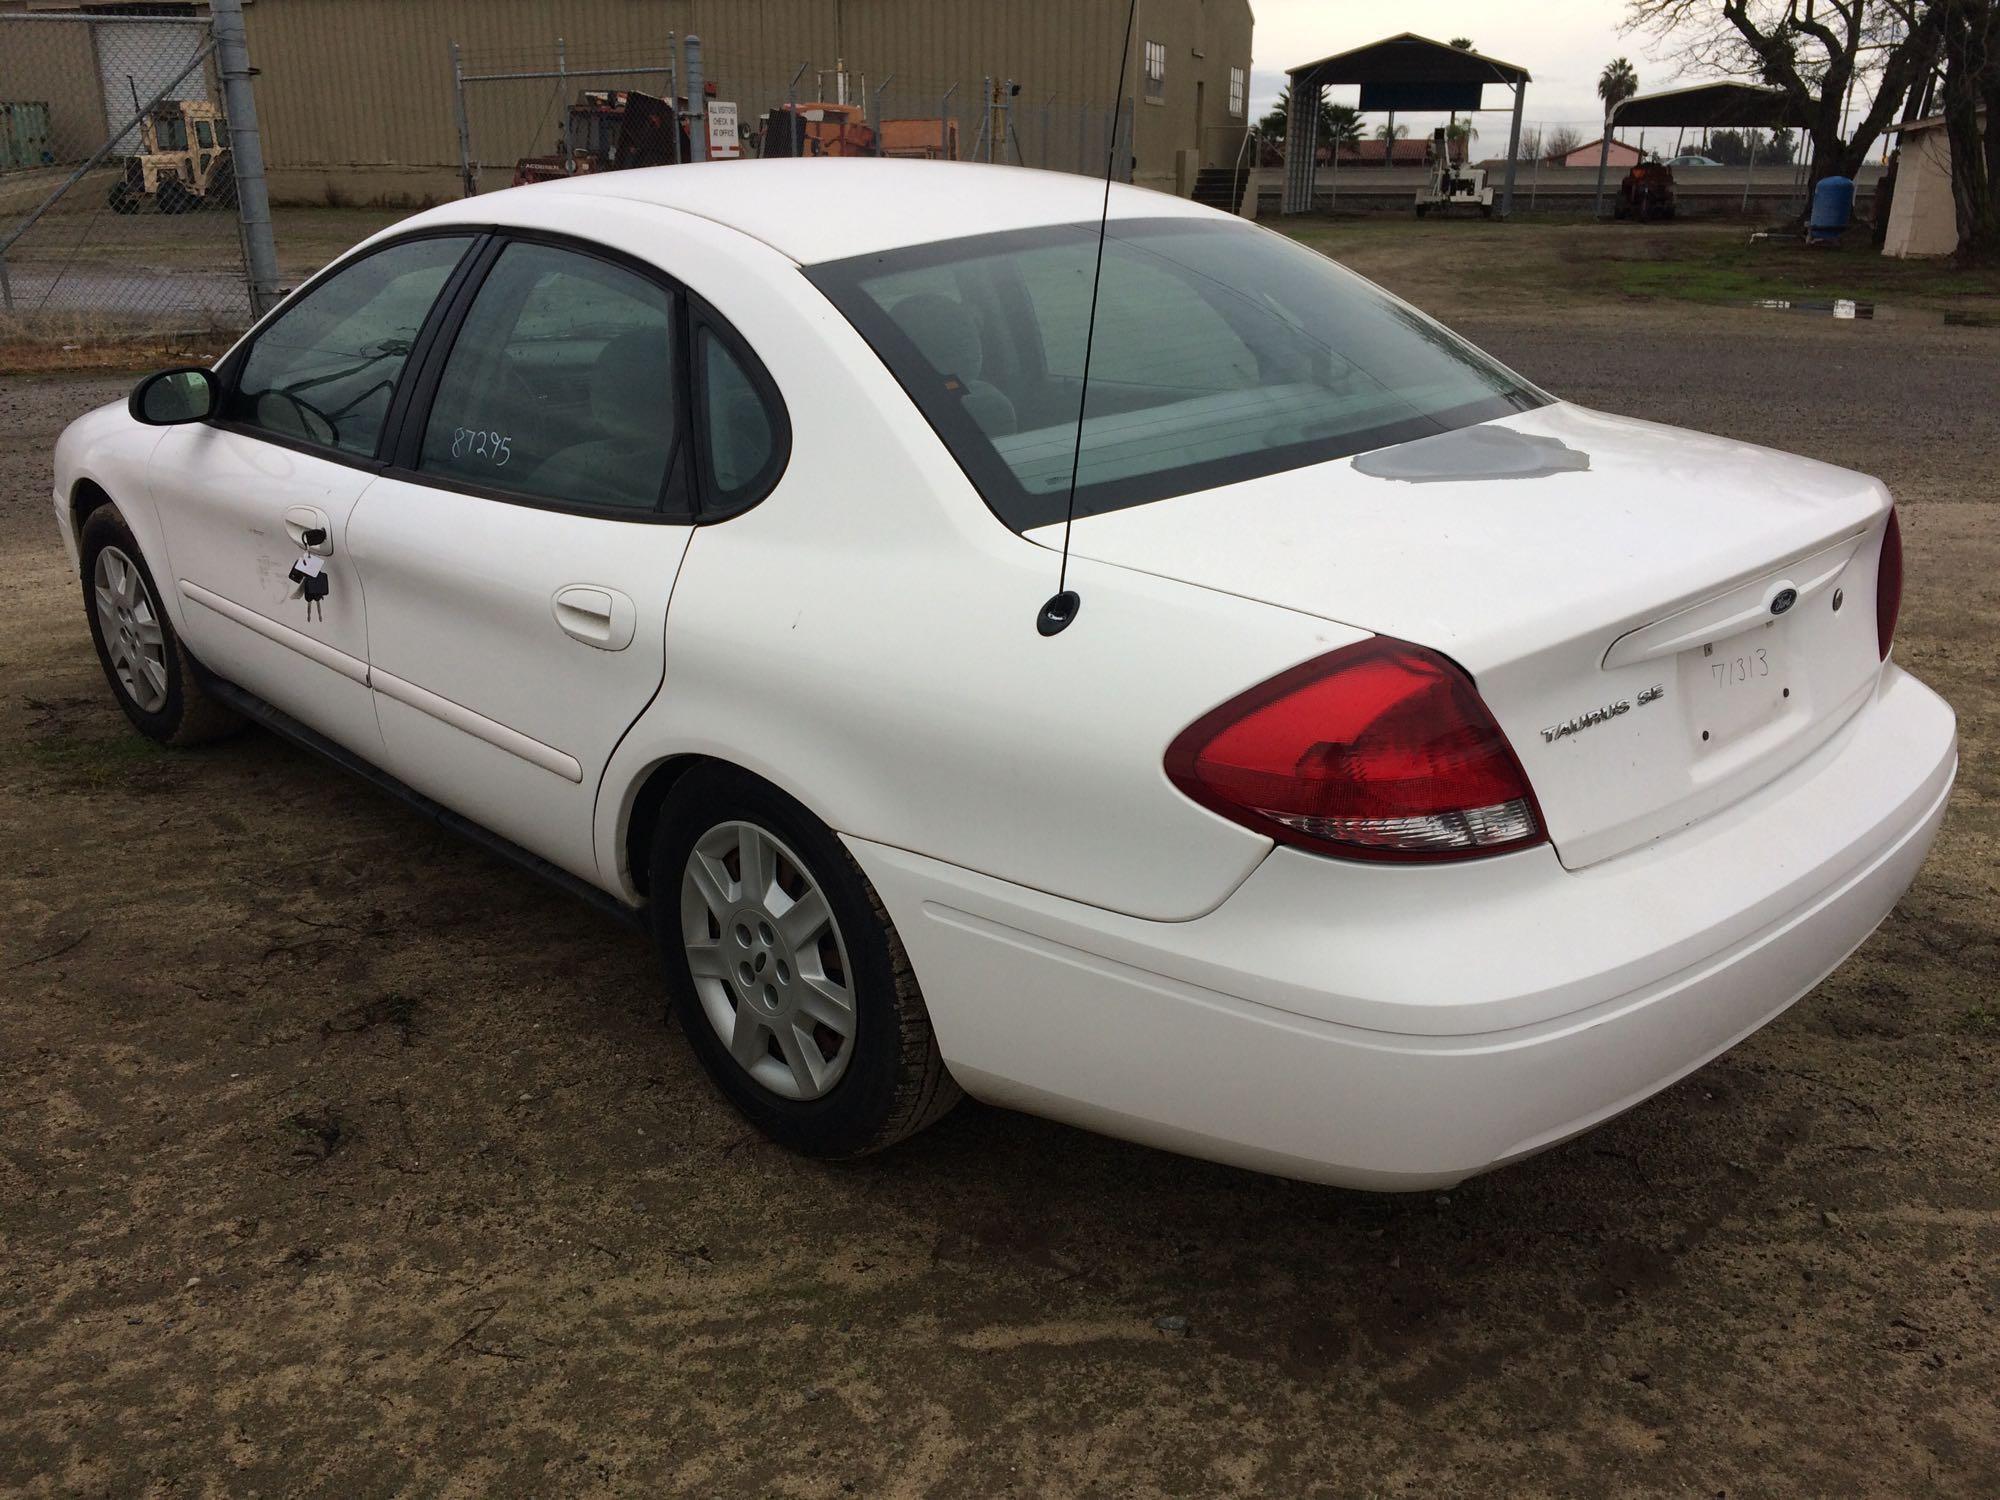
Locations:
{"points": [[337, 1158]]}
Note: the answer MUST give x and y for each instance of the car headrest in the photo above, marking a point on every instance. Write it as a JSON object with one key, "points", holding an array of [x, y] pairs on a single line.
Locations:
{"points": [[631, 385], [944, 331]]}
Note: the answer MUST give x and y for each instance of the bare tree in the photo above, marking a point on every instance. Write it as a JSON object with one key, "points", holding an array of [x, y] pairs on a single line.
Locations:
{"points": [[1815, 50], [1559, 142], [1971, 45]]}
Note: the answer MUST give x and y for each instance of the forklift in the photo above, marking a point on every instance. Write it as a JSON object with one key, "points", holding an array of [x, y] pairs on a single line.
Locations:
{"points": [[183, 162], [1447, 184]]}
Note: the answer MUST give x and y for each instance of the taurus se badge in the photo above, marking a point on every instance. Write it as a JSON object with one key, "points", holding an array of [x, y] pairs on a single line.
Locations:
{"points": [[1591, 718]]}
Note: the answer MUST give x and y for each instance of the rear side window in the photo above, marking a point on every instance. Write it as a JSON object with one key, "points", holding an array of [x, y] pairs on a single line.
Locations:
{"points": [[744, 433], [325, 369], [1222, 352], [561, 384]]}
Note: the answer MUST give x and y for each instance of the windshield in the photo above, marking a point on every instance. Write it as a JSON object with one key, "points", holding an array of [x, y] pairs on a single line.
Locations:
{"points": [[1222, 352]]}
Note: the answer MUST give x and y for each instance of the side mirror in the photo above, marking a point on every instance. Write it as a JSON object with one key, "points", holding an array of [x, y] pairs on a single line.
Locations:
{"points": [[167, 397]]}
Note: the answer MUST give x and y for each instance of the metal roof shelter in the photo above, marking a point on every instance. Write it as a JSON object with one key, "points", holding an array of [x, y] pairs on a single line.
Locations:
{"points": [[1722, 105], [1406, 72]]}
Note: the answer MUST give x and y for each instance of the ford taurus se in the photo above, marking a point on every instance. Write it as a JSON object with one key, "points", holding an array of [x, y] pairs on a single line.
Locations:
{"points": [[1429, 770]]}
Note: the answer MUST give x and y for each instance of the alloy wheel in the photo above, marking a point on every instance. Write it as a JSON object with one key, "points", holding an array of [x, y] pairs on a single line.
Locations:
{"points": [[128, 619], [768, 961]]}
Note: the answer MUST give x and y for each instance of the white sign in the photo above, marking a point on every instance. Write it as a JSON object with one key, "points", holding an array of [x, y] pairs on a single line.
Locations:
{"points": [[723, 141]]}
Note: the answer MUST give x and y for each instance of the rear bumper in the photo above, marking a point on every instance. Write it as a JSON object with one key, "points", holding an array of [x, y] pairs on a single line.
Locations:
{"points": [[1407, 1027]]}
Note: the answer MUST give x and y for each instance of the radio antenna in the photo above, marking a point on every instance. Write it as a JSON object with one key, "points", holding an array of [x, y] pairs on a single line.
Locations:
{"points": [[1061, 609]]}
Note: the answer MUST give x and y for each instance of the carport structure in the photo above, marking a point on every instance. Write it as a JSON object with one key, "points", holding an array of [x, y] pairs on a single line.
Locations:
{"points": [[1406, 74], [1714, 106]]}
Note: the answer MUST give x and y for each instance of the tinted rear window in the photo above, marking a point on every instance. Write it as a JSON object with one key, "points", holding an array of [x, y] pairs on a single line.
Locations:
{"points": [[1222, 352]]}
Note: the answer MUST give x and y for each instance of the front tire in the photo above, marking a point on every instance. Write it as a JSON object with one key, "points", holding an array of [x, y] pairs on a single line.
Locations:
{"points": [[787, 975], [151, 675]]}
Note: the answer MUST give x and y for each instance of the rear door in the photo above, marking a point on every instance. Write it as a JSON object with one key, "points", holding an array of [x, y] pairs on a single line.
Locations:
{"points": [[520, 552], [305, 409]]}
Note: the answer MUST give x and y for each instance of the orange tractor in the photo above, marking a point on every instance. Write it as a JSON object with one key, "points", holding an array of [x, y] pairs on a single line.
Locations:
{"points": [[609, 130], [828, 129]]}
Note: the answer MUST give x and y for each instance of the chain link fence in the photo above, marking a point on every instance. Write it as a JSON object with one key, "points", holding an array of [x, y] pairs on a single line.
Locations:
{"points": [[528, 115], [121, 208]]}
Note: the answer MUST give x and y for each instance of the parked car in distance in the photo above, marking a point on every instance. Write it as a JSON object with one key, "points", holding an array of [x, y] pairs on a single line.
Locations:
{"points": [[1692, 160], [1431, 770]]}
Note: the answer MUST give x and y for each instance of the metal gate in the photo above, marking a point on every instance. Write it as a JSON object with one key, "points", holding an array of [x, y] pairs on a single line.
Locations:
{"points": [[132, 204]]}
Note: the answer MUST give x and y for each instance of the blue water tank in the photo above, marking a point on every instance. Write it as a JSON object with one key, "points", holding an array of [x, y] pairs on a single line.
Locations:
{"points": [[1832, 209]]}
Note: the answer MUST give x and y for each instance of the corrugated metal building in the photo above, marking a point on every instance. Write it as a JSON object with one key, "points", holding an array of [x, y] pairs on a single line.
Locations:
{"points": [[357, 102]]}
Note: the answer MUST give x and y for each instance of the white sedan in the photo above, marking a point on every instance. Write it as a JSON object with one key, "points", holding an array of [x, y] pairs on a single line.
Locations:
{"points": [[1429, 770]]}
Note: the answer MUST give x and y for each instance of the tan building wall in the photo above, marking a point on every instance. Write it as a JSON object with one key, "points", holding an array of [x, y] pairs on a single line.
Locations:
{"points": [[54, 63], [1189, 124], [356, 102]]}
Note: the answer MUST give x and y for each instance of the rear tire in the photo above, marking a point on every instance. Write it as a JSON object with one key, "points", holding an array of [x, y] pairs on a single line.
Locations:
{"points": [[221, 186], [151, 674], [786, 973]]}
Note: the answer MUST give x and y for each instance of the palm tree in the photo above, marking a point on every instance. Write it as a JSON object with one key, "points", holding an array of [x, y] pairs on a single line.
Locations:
{"points": [[1462, 43], [1382, 132], [1339, 124], [1618, 82]]}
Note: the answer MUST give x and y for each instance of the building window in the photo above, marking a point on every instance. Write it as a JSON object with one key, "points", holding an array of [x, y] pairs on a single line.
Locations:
{"points": [[1236, 93], [1156, 69]]}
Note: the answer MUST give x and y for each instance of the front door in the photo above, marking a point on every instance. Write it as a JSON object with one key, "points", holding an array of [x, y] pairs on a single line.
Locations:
{"points": [[520, 557], [291, 451]]}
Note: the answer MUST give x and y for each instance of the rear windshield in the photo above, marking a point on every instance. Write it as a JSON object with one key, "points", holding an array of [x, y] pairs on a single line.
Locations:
{"points": [[1222, 352]]}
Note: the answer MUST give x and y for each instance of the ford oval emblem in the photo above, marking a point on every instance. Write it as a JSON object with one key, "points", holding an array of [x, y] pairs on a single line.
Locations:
{"points": [[1783, 600]]}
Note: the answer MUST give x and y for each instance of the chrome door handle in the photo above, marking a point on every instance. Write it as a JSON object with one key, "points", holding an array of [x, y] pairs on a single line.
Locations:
{"points": [[299, 519], [597, 616]]}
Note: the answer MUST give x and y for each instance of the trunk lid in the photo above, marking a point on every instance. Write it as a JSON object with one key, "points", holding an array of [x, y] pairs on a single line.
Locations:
{"points": [[1649, 613]]}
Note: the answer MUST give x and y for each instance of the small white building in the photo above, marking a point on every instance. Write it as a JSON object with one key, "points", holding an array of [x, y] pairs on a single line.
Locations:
{"points": [[1923, 219]]}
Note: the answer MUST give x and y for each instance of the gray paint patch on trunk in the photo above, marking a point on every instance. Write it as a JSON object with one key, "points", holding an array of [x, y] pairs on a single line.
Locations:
{"points": [[1473, 453]]}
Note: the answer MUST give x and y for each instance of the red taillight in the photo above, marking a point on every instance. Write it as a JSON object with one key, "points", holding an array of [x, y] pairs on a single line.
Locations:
{"points": [[1889, 586], [1380, 750]]}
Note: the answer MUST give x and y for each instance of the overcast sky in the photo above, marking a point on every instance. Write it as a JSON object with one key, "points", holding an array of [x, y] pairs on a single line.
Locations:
{"points": [[1563, 44]]}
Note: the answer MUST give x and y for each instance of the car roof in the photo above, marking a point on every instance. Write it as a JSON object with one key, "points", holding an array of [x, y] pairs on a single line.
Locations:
{"points": [[829, 208]]}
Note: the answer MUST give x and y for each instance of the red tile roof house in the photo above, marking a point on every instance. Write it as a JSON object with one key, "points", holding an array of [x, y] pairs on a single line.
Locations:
{"points": [[1409, 152]]}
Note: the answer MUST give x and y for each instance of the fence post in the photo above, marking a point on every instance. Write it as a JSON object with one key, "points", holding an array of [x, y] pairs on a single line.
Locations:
{"points": [[875, 101], [698, 136], [562, 98], [468, 181], [674, 98], [246, 154], [794, 126]]}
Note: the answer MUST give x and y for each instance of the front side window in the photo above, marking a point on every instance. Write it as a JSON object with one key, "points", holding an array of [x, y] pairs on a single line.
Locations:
{"points": [[1236, 86], [561, 384], [204, 134], [324, 371], [1222, 352], [1156, 69]]}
